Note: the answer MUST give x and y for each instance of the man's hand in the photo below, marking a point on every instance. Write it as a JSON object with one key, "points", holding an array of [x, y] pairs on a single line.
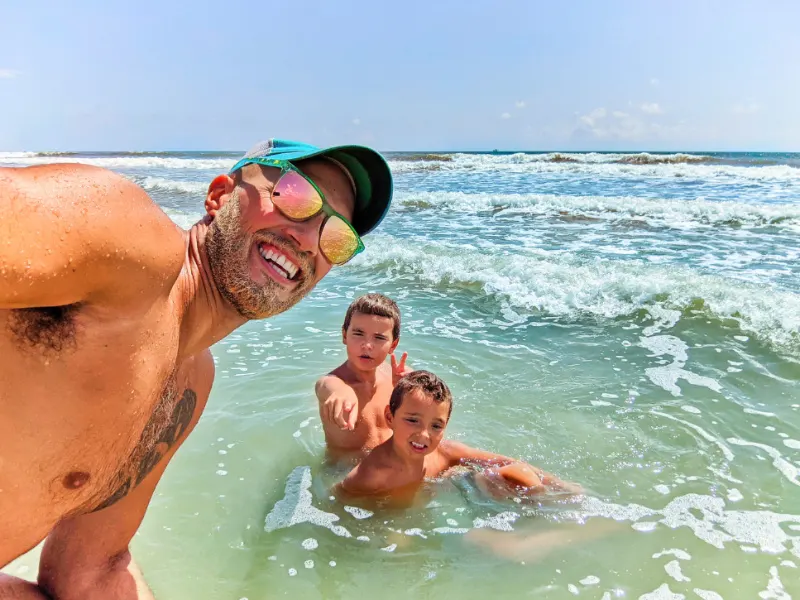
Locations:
{"points": [[399, 370], [338, 403]]}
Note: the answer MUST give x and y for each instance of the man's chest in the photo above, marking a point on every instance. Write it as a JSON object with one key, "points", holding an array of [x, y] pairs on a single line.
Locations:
{"points": [[76, 395]]}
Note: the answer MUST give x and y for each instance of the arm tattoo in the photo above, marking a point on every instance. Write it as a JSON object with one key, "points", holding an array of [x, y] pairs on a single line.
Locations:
{"points": [[161, 433]]}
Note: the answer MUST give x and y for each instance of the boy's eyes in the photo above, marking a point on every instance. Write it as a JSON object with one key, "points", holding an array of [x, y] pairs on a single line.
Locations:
{"points": [[437, 426], [411, 420]]}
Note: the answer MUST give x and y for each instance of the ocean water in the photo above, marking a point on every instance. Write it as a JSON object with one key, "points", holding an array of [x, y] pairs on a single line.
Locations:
{"points": [[627, 321]]}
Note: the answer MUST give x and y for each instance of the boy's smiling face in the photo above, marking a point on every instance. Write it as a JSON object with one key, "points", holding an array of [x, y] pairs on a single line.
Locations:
{"points": [[418, 424], [369, 340]]}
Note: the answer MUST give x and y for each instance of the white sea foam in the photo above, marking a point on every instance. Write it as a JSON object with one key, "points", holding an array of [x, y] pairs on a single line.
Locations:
{"points": [[708, 519], [662, 593], [567, 286], [16, 155], [676, 552], [680, 214], [160, 184], [775, 589], [126, 162], [295, 507], [673, 569], [787, 469], [707, 594]]}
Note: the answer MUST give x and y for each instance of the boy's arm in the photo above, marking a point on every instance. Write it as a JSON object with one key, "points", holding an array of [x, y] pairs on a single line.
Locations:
{"points": [[338, 403]]}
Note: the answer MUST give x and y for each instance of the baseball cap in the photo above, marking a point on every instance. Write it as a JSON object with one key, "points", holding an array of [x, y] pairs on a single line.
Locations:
{"points": [[369, 173]]}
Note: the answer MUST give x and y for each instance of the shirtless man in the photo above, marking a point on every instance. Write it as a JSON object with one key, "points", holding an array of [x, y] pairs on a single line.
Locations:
{"points": [[107, 313], [353, 397]]}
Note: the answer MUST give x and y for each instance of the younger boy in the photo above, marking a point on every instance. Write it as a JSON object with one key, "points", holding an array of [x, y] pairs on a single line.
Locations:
{"points": [[353, 397], [417, 414]]}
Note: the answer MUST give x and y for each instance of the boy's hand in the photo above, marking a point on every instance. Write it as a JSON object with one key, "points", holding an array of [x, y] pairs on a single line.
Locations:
{"points": [[399, 370], [341, 409]]}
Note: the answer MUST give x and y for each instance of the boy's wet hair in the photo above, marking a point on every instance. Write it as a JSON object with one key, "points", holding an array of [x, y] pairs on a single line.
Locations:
{"points": [[424, 382], [375, 304]]}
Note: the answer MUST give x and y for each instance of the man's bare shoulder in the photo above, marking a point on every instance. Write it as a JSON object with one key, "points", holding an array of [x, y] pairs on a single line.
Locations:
{"points": [[93, 219]]}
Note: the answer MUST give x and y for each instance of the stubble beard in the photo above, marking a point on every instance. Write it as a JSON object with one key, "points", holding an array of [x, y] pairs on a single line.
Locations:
{"points": [[228, 249]]}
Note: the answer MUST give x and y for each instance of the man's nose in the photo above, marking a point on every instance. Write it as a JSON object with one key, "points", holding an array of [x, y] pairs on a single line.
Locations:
{"points": [[306, 234]]}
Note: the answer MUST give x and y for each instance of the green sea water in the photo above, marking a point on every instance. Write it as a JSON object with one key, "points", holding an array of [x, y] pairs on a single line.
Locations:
{"points": [[631, 325]]}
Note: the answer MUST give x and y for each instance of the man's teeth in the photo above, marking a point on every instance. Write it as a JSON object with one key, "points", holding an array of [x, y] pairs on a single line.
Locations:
{"points": [[418, 446], [280, 260]]}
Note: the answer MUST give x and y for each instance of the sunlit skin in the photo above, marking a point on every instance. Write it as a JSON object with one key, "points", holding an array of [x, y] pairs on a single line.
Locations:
{"points": [[354, 396], [416, 451], [107, 313]]}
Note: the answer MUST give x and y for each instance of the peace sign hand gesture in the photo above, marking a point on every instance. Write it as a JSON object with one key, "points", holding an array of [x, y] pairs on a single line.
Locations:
{"points": [[399, 370]]}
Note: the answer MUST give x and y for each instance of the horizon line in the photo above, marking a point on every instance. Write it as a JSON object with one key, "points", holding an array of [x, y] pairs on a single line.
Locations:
{"points": [[440, 151]]}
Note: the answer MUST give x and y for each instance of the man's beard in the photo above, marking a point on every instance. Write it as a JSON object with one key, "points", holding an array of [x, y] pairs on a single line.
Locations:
{"points": [[228, 250]]}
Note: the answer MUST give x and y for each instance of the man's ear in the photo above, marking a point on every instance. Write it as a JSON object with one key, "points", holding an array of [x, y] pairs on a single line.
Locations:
{"points": [[387, 414], [219, 192], [344, 336]]}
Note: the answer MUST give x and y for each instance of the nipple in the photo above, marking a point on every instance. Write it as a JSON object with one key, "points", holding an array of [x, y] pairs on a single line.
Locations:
{"points": [[75, 479]]}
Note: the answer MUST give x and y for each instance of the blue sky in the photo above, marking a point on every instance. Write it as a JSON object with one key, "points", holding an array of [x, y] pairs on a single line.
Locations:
{"points": [[416, 75]]}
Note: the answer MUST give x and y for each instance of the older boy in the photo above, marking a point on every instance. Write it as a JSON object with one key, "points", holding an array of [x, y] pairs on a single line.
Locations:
{"points": [[354, 396]]}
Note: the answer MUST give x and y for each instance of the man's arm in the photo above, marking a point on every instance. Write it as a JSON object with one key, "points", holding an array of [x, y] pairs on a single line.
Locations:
{"points": [[338, 403], [514, 471], [461, 454], [87, 557], [73, 233]]}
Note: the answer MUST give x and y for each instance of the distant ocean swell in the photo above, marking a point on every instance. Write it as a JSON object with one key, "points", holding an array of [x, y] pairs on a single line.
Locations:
{"points": [[601, 165], [604, 165], [642, 158]]}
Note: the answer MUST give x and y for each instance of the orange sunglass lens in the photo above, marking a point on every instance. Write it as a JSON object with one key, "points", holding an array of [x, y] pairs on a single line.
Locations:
{"points": [[295, 197]]}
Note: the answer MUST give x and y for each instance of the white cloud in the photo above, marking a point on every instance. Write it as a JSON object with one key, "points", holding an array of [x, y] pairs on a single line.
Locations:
{"points": [[505, 115], [9, 73], [593, 117], [654, 82], [651, 108], [620, 126], [745, 108], [356, 121], [520, 104]]}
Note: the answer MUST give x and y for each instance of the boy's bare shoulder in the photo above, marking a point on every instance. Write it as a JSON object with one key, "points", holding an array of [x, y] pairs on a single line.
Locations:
{"points": [[370, 476], [339, 377]]}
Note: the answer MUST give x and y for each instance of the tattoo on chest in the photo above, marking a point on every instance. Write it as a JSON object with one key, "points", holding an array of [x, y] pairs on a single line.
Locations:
{"points": [[169, 421]]}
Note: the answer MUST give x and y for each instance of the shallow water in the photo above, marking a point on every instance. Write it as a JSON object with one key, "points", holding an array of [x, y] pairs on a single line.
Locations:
{"points": [[632, 327]]}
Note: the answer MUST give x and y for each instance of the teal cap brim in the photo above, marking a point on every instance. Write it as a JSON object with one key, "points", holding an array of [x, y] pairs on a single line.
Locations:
{"points": [[369, 170]]}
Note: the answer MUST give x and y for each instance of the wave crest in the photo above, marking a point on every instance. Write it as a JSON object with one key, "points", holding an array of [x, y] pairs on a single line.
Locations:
{"points": [[570, 288], [670, 213]]}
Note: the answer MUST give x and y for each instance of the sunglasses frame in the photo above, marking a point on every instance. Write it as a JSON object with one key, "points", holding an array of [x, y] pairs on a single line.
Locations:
{"points": [[285, 166]]}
